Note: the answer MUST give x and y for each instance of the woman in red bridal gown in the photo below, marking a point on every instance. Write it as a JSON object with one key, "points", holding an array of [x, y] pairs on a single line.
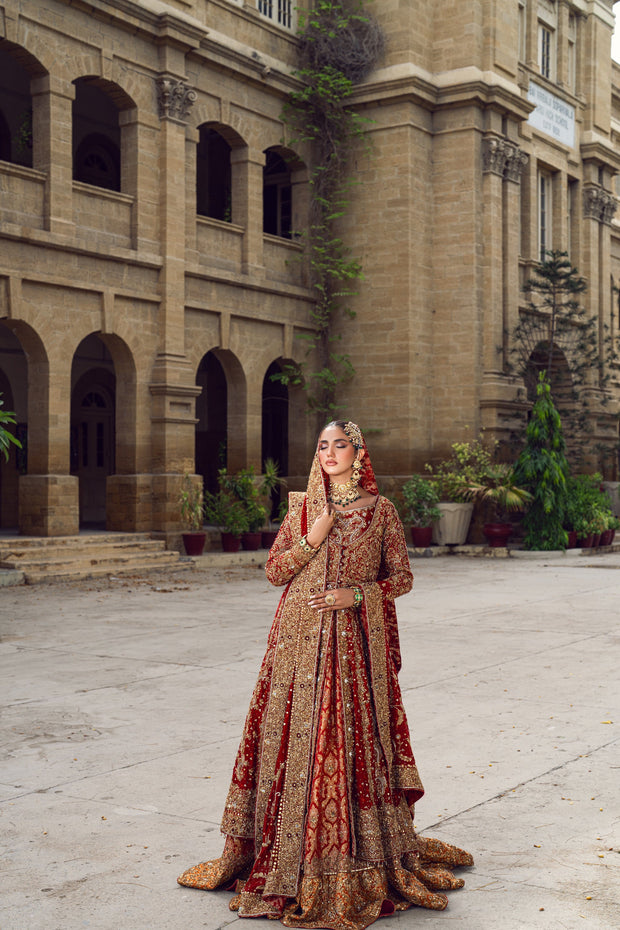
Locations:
{"points": [[319, 815]]}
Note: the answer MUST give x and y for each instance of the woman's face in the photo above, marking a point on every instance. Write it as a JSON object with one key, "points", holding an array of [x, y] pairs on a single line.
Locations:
{"points": [[336, 453]]}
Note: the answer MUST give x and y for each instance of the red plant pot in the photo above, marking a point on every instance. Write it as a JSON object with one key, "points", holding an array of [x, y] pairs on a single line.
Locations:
{"points": [[497, 534], [230, 542], [605, 538], [251, 541], [268, 537], [421, 536], [585, 542], [194, 542], [596, 539], [572, 539], [611, 538]]}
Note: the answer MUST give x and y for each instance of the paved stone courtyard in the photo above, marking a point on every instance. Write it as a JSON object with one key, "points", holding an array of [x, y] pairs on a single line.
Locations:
{"points": [[124, 700]]}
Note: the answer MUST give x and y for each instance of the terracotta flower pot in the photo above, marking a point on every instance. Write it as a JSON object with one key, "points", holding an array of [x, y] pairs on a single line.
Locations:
{"points": [[596, 539], [497, 534], [606, 538], [194, 542], [230, 542], [268, 537], [585, 542], [421, 536], [572, 539], [251, 541]]}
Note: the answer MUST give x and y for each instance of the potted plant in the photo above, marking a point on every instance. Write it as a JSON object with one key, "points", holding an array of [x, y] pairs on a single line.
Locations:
{"points": [[269, 484], [229, 516], [419, 509], [453, 477], [256, 515], [497, 487], [191, 500], [589, 510]]}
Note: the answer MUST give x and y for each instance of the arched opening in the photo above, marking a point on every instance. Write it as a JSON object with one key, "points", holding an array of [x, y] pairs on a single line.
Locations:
{"points": [[212, 416], [277, 195], [14, 395], [213, 175], [93, 426], [97, 132], [17, 67], [275, 417]]}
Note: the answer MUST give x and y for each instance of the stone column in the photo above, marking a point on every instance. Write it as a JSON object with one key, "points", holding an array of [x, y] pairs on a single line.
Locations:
{"points": [[52, 120], [502, 164], [173, 388], [247, 205], [49, 494]]}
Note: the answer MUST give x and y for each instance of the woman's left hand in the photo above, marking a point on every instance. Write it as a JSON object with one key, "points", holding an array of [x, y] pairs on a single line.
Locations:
{"points": [[332, 599]]}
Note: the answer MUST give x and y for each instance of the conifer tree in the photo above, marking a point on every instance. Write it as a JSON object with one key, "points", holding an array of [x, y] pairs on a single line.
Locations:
{"points": [[542, 468]]}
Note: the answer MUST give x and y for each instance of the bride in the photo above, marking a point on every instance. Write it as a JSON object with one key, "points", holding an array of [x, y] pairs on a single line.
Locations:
{"points": [[319, 815]]}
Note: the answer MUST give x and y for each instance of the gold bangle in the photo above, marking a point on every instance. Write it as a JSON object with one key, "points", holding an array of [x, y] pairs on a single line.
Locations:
{"points": [[305, 545]]}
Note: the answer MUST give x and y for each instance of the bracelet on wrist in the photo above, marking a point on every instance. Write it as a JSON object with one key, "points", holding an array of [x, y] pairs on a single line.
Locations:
{"points": [[358, 596], [306, 547]]}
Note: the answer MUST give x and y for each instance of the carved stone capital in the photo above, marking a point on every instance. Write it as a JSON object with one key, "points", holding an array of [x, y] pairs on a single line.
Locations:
{"points": [[515, 163], [174, 99], [598, 204], [502, 158], [494, 154]]}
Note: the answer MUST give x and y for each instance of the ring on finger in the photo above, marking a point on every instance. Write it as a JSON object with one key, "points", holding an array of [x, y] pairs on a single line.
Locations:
{"points": [[330, 599]]}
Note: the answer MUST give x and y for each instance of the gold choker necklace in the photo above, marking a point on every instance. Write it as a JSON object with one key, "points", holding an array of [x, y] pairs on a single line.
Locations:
{"points": [[345, 493]]}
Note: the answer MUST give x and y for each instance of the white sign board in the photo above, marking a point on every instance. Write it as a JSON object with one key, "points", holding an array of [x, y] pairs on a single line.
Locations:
{"points": [[552, 115]]}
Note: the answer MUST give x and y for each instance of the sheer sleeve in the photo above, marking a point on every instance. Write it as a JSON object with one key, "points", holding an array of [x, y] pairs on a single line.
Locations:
{"points": [[395, 575], [286, 557]]}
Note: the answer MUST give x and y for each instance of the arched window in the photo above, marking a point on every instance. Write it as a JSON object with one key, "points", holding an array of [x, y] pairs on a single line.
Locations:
{"points": [[16, 104], [98, 162], [277, 196], [96, 135], [213, 176]]}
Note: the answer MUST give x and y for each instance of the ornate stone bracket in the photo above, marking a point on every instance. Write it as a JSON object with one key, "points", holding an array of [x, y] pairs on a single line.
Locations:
{"points": [[174, 99], [598, 204], [503, 158]]}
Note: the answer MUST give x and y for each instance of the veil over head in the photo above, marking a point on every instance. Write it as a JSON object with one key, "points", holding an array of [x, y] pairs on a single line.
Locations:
{"points": [[318, 480]]}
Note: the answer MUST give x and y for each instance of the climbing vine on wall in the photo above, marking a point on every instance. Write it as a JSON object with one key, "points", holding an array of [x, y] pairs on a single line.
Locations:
{"points": [[340, 44]]}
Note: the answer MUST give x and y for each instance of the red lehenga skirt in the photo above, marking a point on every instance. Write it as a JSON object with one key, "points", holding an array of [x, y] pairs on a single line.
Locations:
{"points": [[350, 854]]}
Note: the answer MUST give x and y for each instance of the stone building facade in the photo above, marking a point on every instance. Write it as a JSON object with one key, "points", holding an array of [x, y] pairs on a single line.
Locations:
{"points": [[151, 279]]}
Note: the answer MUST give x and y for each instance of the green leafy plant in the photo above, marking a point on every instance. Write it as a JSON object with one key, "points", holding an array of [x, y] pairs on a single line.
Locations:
{"points": [[7, 418], [542, 468], [588, 506], [556, 335], [418, 506], [465, 467], [191, 500], [242, 488], [499, 488], [340, 44]]}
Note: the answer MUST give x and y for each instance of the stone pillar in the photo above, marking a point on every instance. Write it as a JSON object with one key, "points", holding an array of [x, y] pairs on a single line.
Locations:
{"points": [[48, 494], [52, 119], [173, 388], [502, 164], [139, 177], [247, 205]]}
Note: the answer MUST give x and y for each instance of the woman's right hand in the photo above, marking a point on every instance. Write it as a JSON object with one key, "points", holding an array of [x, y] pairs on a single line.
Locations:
{"points": [[321, 527]]}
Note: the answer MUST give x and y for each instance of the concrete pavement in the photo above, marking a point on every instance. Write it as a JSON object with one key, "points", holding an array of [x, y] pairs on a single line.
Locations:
{"points": [[123, 706]]}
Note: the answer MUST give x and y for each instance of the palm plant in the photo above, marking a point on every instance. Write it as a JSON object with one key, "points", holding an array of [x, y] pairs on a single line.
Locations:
{"points": [[498, 486]]}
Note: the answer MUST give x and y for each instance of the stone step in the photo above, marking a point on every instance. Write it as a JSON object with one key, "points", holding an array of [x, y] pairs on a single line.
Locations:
{"points": [[64, 558], [71, 542], [18, 555], [81, 559], [82, 574]]}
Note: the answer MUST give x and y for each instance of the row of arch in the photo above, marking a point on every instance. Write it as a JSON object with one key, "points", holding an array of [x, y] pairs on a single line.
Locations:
{"points": [[99, 156], [102, 436]]}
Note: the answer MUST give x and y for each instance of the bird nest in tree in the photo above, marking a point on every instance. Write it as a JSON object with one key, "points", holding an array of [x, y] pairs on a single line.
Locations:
{"points": [[352, 45]]}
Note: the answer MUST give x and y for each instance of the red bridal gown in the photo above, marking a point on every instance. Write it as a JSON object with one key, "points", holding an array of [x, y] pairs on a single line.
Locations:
{"points": [[319, 815]]}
